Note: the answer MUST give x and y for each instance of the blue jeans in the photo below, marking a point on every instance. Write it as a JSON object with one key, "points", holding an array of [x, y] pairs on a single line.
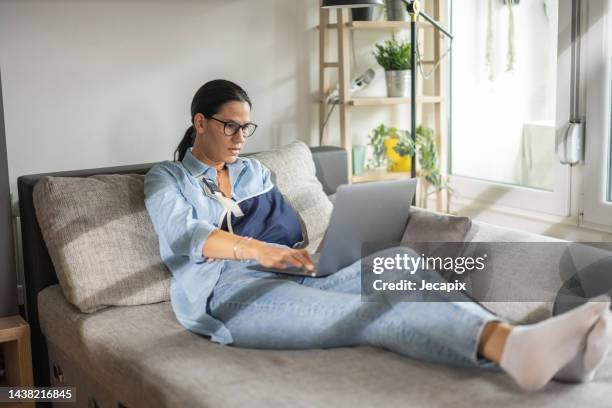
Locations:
{"points": [[267, 310]]}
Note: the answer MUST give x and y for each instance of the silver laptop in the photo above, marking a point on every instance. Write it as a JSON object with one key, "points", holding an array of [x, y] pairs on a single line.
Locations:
{"points": [[365, 212]]}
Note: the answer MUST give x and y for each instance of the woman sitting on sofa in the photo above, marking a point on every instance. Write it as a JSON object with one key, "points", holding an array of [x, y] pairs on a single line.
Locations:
{"points": [[213, 293]]}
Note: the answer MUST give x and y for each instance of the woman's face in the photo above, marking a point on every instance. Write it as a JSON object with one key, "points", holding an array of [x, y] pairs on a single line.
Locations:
{"points": [[211, 140]]}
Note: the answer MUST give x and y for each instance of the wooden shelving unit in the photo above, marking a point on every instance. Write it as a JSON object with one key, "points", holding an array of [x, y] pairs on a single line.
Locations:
{"points": [[378, 25], [16, 349], [431, 103]]}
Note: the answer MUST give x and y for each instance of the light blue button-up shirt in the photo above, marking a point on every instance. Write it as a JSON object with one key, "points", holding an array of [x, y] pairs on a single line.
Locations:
{"points": [[184, 213]]}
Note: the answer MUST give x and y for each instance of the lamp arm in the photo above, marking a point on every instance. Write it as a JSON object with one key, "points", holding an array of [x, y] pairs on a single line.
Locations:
{"points": [[414, 8], [435, 24]]}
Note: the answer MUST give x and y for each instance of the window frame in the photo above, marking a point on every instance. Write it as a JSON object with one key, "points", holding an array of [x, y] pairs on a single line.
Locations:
{"points": [[596, 211]]}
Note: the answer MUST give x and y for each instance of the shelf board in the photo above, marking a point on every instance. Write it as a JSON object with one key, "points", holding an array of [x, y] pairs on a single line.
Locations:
{"points": [[331, 65], [379, 25], [384, 25], [379, 175], [370, 101]]}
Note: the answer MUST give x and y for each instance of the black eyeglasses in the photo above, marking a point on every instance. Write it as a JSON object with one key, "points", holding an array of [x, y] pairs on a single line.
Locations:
{"points": [[230, 128]]}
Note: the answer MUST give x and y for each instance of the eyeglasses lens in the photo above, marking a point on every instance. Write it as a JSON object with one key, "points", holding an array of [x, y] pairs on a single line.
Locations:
{"points": [[249, 129], [232, 128]]}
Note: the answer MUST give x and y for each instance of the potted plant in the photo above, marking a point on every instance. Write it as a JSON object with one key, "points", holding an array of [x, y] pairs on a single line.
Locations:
{"points": [[429, 174], [394, 57], [391, 148], [400, 150]]}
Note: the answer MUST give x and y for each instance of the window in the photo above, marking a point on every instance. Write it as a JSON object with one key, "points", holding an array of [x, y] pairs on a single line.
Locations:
{"points": [[504, 89], [511, 97]]}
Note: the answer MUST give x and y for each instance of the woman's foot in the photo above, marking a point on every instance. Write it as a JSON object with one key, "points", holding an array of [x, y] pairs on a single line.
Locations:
{"points": [[598, 342], [533, 354]]}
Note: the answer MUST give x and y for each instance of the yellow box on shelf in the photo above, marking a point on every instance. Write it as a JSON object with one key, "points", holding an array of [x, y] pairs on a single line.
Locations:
{"points": [[397, 163]]}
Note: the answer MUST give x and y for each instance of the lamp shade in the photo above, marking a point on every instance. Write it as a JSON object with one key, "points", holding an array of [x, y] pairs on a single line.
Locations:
{"points": [[351, 3]]}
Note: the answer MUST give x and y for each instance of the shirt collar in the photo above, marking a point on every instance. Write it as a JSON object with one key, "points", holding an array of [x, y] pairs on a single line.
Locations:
{"points": [[198, 168]]}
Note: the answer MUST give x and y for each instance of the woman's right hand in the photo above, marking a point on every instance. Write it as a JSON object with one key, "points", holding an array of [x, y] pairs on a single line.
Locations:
{"points": [[279, 257], [223, 245]]}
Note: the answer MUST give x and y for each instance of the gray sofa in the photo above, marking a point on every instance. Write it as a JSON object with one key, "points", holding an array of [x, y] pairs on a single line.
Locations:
{"points": [[140, 356]]}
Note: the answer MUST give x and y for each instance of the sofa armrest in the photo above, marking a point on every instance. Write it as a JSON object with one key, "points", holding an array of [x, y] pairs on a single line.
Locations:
{"points": [[331, 166]]}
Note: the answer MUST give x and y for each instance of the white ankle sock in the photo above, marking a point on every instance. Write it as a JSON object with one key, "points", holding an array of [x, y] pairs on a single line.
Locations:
{"points": [[599, 344], [533, 354], [594, 352]]}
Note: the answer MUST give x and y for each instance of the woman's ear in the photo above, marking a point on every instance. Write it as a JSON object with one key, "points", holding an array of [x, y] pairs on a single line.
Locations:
{"points": [[199, 122]]}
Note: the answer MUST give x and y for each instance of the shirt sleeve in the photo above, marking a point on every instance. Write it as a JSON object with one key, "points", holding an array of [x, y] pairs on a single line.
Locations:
{"points": [[173, 217]]}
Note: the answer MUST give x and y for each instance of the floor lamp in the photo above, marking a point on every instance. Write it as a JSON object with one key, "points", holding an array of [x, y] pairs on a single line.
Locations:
{"points": [[414, 9]]}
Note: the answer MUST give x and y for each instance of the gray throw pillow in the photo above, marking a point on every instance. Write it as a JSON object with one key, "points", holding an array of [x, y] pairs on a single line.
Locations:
{"points": [[437, 235], [101, 240], [293, 172], [429, 226]]}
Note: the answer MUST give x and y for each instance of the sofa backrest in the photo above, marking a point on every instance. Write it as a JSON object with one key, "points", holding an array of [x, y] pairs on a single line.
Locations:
{"points": [[331, 170]]}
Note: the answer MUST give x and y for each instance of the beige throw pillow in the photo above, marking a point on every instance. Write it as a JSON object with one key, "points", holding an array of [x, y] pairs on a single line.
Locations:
{"points": [[101, 240]]}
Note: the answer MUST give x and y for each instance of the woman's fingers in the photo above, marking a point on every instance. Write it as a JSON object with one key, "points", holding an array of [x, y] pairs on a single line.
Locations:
{"points": [[308, 259], [304, 258], [292, 258], [282, 257]]}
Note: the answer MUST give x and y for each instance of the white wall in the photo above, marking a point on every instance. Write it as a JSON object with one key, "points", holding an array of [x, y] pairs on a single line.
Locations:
{"points": [[101, 83], [93, 83]]}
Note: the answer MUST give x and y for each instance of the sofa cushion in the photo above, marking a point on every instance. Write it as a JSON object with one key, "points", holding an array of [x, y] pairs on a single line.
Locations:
{"points": [[101, 240], [148, 359], [511, 293], [429, 226], [515, 279], [293, 172], [436, 235]]}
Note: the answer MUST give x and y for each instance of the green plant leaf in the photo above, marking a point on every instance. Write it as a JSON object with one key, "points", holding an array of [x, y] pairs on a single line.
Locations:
{"points": [[393, 55], [377, 141], [425, 148]]}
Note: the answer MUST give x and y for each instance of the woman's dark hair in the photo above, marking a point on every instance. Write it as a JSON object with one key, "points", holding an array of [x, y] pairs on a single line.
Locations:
{"points": [[208, 101]]}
